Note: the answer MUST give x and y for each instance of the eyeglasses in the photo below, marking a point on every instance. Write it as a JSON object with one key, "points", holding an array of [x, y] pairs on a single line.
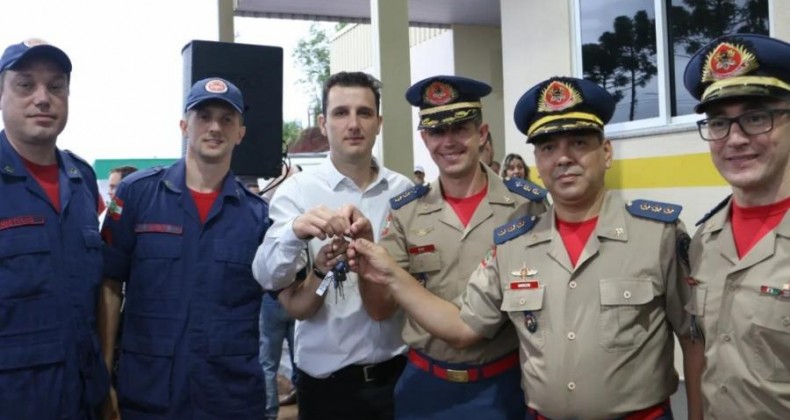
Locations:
{"points": [[759, 121]]}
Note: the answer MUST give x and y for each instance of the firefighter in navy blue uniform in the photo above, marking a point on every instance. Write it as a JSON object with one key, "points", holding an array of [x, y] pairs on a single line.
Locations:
{"points": [[190, 342], [50, 249]]}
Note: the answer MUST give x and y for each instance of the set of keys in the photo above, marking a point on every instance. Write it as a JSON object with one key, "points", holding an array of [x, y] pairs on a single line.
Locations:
{"points": [[337, 275]]}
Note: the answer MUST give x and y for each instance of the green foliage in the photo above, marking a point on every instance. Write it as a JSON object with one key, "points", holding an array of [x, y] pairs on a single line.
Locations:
{"points": [[291, 132], [312, 56]]}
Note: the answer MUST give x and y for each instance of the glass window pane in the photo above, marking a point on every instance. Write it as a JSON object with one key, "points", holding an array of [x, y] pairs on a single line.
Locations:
{"points": [[619, 53], [694, 23]]}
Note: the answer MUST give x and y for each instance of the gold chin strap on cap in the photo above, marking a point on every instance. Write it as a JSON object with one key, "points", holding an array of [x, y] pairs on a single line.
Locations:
{"points": [[585, 116], [744, 81], [450, 107]]}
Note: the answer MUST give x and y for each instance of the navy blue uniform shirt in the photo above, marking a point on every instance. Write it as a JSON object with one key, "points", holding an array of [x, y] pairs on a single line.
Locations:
{"points": [[190, 340], [50, 271]]}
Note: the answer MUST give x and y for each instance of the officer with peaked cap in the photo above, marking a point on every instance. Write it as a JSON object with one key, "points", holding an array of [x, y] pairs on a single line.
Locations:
{"points": [[595, 287], [183, 238], [50, 249], [439, 232], [740, 253]]}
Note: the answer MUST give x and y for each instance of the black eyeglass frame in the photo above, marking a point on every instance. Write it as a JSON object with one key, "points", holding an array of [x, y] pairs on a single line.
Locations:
{"points": [[703, 125]]}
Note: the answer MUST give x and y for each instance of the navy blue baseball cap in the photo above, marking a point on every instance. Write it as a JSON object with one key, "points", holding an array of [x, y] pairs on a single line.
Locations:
{"points": [[739, 65], [215, 88], [446, 100], [33, 47], [563, 104]]}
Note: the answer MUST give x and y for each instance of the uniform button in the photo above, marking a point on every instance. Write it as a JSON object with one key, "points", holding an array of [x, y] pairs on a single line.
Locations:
{"points": [[724, 389], [786, 321], [571, 386], [726, 338], [627, 294], [571, 336], [572, 284], [522, 301]]}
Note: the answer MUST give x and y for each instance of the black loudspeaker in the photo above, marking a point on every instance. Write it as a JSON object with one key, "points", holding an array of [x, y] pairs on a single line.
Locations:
{"points": [[258, 71]]}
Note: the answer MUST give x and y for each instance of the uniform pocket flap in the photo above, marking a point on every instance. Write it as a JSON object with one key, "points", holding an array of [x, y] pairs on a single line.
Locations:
{"points": [[425, 263], [161, 246], [231, 347], [234, 253], [523, 300], [31, 355], [629, 291], [152, 346], [32, 243], [91, 238]]}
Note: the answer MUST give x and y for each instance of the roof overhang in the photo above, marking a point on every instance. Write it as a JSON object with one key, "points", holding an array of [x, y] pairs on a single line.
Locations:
{"points": [[421, 12]]}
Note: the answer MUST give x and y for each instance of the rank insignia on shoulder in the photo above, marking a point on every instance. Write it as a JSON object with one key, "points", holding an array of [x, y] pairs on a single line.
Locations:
{"points": [[654, 210], [713, 211], [526, 189], [513, 229], [408, 196]]}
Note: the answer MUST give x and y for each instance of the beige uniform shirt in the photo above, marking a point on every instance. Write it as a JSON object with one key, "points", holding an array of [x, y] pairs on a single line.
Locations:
{"points": [[746, 325], [427, 239], [602, 344]]}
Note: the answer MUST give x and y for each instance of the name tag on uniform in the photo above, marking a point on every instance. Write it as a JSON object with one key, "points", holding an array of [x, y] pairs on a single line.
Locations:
{"points": [[416, 250], [20, 221], [158, 228], [519, 285]]}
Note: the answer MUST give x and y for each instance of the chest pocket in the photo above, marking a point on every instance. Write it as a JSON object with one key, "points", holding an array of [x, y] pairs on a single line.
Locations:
{"points": [[236, 286], [427, 262], [624, 315], [771, 335], [157, 271], [25, 264], [523, 306]]}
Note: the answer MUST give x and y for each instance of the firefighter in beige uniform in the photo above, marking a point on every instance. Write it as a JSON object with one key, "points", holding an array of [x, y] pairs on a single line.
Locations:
{"points": [[595, 288], [741, 253], [440, 240]]}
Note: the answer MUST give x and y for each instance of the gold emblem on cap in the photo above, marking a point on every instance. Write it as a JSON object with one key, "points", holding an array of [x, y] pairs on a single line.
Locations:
{"points": [[216, 86], [439, 93], [558, 96], [726, 61]]}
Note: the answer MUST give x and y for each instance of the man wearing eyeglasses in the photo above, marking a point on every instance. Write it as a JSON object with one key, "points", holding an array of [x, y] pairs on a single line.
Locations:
{"points": [[740, 256]]}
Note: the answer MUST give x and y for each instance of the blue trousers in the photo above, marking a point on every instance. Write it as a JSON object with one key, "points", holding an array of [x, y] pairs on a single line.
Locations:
{"points": [[276, 326], [420, 395]]}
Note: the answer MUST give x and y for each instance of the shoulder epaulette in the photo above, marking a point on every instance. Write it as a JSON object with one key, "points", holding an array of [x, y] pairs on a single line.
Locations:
{"points": [[526, 189], [77, 158], [513, 229], [242, 189], [408, 196], [713, 211], [654, 210], [143, 173]]}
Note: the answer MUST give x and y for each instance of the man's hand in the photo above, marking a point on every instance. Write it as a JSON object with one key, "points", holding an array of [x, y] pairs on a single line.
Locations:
{"points": [[371, 262], [331, 253], [360, 225], [321, 223]]}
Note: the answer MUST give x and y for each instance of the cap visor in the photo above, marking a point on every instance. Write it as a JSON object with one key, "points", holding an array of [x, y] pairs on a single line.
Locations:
{"points": [[564, 125], [741, 91]]}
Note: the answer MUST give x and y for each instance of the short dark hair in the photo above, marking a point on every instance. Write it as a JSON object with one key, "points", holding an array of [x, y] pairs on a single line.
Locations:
{"points": [[125, 170], [351, 79]]}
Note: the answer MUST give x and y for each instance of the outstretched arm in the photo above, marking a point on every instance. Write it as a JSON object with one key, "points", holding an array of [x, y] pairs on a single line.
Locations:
{"points": [[438, 316]]}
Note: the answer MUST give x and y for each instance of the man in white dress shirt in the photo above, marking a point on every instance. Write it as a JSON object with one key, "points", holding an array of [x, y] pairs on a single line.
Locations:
{"points": [[348, 362]]}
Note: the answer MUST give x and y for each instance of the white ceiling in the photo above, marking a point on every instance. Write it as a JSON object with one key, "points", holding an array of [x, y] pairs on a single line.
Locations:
{"points": [[423, 12]]}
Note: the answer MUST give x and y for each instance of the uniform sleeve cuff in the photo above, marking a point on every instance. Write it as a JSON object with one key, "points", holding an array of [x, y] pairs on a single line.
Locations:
{"points": [[116, 264]]}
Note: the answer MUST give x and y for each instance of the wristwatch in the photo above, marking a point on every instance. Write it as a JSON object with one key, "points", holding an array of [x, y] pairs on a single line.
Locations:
{"points": [[318, 272]]}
